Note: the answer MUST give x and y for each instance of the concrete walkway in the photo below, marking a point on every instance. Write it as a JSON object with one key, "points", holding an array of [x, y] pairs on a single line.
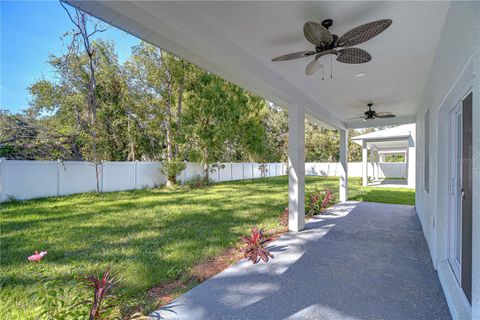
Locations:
{"points": [[363, 261]]}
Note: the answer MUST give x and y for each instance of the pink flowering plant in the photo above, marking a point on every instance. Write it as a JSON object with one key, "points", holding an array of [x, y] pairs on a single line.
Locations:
{"points": [[317, 201]]}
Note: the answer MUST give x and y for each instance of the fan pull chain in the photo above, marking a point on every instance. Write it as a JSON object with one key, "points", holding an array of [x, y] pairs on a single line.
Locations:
{"points": [[323, 73], [331, 67]]}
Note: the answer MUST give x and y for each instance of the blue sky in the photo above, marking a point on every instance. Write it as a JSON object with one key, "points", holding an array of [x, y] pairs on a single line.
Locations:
{"points": [[30, 31]]}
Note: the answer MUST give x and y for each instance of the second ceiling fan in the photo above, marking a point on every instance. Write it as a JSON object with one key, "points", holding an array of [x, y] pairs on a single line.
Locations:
{"points": [[327, 43]]}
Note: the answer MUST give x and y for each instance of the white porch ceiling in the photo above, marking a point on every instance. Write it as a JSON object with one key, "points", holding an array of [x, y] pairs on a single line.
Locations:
{"points": [[237, 41]]}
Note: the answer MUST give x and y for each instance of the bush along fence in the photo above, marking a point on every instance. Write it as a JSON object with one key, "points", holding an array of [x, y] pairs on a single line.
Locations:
{"points": [[20, 179]]}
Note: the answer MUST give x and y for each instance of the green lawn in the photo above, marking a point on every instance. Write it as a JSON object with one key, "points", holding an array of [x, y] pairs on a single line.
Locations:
{"points": [[148, 236]]}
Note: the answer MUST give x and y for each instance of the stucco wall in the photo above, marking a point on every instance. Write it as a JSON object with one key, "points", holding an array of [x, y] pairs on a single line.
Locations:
{"points": [[450, 78], [476, 178]]}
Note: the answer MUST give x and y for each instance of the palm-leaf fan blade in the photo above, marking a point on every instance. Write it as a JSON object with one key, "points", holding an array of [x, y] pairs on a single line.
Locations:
{"points": [[295, 55], [313, 67], [384, 115], [353, 56], [317, 34], [363, 33]]}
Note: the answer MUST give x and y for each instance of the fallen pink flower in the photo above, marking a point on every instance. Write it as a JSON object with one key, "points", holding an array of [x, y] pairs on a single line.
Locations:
{"points": [[37, 256]]}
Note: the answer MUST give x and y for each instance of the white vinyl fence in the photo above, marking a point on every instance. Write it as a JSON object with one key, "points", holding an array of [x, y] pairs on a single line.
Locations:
{"points": [[36, 179]]}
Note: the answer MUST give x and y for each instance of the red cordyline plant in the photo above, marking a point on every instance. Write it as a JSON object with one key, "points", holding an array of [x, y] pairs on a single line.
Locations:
{"points": [[255, 246], [102, 287], [328, 198]]}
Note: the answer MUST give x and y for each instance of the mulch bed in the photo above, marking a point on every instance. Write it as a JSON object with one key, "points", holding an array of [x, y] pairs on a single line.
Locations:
{"points": [[167, 292]]}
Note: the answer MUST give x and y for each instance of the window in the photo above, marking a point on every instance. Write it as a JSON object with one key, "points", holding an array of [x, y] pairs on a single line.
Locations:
{"points": [[426, 146]]}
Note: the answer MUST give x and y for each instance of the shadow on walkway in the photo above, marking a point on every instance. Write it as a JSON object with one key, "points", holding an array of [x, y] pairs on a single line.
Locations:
{"points": [[362, 261]]}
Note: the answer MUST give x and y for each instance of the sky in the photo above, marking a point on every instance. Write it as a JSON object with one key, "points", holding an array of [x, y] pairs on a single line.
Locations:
{"points": [[30, 31]]}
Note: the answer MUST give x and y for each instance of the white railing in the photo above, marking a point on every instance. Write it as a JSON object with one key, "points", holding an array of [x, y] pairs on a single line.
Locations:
{"points": [[21, 179]]}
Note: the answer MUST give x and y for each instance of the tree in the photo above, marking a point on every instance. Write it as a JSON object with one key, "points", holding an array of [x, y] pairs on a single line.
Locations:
{"points": [[82, 37], [276, 126], [25, 138], [159, 79], [61, 104], [321, 144], [221, 115]]}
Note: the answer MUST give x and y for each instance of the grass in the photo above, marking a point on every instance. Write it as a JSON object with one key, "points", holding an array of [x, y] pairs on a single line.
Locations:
{"points": [[148, 236]]}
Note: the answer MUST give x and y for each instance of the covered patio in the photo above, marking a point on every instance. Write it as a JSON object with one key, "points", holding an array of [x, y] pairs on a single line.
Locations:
{"points": [[359, 261], [377, 145], [372, 262]]}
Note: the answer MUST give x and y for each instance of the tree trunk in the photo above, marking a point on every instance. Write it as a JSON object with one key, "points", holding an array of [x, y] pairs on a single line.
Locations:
{"points": [[81, 23], [93, 107], [131, 155], [168, 127], [179, 110], [206, 169]]}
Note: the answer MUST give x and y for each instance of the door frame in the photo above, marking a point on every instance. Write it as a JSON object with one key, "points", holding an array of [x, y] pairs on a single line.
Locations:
{"points": [[454, 202], [454, 294]]}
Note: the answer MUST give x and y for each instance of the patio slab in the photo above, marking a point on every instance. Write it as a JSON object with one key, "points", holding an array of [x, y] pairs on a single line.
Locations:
{"points": [[389, 183], [361, 261]]}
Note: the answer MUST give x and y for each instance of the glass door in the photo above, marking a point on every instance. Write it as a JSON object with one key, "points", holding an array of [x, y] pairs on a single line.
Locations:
{"points": [[460, 217], [455, 219]]}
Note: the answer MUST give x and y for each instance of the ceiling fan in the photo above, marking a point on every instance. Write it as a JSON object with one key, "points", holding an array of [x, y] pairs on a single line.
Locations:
{"points": [[327, 43], [372, 114]]}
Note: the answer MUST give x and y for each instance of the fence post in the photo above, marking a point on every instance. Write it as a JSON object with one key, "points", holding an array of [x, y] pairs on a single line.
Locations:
{"points": [[101, 175], [243, 171], [253, 171], [2, 180], [231, 171], [136, 174], [58, 177]]}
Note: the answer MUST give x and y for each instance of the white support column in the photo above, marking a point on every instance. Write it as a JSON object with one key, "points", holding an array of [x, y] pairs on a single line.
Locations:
{"points": [[476, 180], [364, 164], [411, 163], [296, 168], [377, 162], [343, 165], [372, 151], [376, 175]]}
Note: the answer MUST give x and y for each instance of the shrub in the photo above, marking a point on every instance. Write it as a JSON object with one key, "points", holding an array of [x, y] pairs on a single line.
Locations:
{"points": [[317, 201], [58, 299], [172, 169], [255, 246], [199, 182], [263, 167]]}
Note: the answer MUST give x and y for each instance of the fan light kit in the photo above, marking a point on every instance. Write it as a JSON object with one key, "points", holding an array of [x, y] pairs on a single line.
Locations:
{"points": [[327, 43]]}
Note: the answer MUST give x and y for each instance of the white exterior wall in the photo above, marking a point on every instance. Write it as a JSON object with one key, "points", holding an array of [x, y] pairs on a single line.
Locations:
{"points": [[450, 78], [476, 178]]}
